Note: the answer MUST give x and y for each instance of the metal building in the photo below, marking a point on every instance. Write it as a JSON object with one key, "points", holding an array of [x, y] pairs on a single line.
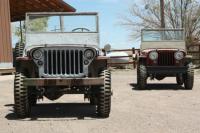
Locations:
{"points": [[15, 10]]}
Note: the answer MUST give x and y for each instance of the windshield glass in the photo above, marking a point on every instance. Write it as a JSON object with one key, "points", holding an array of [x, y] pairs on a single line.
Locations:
{"points": [[62, 23], [163, 35]]}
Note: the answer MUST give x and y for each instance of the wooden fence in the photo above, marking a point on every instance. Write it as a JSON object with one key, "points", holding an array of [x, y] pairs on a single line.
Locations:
{"points": [[194, 50]]}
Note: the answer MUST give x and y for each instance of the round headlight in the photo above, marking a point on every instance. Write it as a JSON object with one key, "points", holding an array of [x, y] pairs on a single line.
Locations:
{"points": [[37, 54], [153, 55], [178, 55], [89, 54]]}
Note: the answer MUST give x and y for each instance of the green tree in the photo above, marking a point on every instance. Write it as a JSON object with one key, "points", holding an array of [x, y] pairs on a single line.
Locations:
{"points": [[39, 24], [20, 32]]}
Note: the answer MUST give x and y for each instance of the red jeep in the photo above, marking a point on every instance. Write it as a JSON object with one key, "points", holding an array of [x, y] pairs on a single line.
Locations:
{"points": [[163, 54]]}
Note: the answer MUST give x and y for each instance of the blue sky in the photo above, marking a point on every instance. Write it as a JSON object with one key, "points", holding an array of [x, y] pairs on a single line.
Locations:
{"points": [[111, 32]]}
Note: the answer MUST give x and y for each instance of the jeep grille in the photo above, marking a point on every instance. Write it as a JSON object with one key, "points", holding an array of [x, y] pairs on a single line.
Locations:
{"points": [[63, 62], [166, 58]]}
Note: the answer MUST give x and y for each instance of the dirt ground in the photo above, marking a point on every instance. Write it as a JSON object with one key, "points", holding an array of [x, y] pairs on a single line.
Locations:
{"points": [[162, 108]]}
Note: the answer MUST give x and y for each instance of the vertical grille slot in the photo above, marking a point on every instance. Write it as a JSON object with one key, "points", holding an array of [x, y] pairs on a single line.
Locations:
{"points": [[45, 63], [81, 61], [67, 53], [166, 58], [77, 66], [63, 62], [54, 60], [72, 61]]}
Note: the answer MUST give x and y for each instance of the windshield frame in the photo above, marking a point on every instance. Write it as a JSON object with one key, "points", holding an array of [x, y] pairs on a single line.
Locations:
{"points": [[160, 30], [42, 14]]}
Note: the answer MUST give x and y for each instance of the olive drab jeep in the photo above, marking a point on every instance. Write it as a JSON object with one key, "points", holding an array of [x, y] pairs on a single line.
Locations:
{"points": [[163, 54], [61, 57]]}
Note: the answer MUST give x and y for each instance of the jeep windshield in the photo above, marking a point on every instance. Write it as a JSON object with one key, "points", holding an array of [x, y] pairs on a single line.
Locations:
{"points": [[62, 22], [162, 35]]}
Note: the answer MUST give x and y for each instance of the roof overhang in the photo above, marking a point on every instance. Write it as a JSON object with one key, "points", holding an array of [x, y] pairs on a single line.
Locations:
{"points": [[19, 8]]}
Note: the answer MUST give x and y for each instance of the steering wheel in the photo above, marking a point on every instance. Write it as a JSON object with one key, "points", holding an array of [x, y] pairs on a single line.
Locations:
{"points": [[81, 30]]}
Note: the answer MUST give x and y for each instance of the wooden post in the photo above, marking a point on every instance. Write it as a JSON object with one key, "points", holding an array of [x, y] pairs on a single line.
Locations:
{"points": [[199, 55], [5, 36], [62, 24], [162, 13], [134, 62]]}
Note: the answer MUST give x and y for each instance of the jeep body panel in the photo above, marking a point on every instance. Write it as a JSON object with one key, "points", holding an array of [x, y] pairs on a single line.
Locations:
{"points": [[169, 57], [166, 70]]}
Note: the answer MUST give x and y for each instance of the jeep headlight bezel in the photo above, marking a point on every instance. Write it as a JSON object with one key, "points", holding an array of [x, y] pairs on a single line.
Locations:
{"points": [[178, 55], [153, 55], [89, 54], [37, 54]]}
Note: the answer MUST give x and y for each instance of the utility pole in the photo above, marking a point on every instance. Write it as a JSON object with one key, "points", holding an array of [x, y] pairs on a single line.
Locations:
{"points": [[62, 23], [162, 13]]}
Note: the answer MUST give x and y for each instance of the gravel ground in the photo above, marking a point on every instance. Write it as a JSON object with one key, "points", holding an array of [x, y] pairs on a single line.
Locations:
{"points": [[162, 108]]}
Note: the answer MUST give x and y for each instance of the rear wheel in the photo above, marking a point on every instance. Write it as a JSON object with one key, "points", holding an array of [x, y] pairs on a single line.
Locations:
{"points": [[21, 96], [179, 79], [104, 95], [142, 77], [19, 48], [189, 78]]}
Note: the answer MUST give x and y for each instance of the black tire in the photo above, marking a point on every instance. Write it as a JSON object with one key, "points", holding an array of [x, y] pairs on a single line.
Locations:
{"points": [[179, 79], [21, 96], [189, 78], [138, 76], [104, 95], [93, 99], [19, 48], [32, 96], [142, 77]]}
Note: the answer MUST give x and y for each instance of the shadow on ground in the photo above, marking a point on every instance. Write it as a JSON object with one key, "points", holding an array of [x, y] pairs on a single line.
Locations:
{"points": [[73, 111], [158, 87]]}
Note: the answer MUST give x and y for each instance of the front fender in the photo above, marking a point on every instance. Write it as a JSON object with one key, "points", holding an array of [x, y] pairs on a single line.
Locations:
{"points": [[142, 60], [26, 64]]}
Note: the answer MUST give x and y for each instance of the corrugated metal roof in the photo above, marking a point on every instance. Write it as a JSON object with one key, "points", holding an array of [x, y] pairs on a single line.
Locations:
{"points": [[18, 8]]}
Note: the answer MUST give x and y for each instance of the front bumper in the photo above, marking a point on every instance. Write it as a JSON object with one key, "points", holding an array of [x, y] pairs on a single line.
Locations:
{"points": [[69, 82], [166, 69]]}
